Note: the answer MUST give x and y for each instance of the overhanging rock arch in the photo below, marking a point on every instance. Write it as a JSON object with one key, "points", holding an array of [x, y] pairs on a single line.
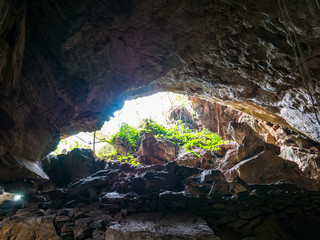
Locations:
{"points": [[82, 58]]}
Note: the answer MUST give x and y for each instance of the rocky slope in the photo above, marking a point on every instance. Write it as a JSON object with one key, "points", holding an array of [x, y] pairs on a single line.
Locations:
{"points": [[113, 203], [81, 59]]}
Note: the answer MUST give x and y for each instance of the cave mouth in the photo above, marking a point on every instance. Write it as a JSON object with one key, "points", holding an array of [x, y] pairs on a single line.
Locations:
{"points": [[164, 108]]}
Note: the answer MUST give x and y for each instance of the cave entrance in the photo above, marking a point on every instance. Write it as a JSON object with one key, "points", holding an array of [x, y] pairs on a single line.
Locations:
{"points": [[163, 108]]}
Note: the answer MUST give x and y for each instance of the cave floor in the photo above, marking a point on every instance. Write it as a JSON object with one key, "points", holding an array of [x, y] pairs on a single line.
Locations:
{"points": [[103, 206]]}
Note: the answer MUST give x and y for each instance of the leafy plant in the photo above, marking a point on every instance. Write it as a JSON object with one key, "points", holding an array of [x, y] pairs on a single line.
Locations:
{"points": [[179, 134], [128, 159], [130, 135]]}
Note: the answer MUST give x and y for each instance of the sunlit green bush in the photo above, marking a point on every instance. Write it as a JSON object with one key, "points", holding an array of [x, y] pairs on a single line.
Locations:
{"points": [[179, 134]]}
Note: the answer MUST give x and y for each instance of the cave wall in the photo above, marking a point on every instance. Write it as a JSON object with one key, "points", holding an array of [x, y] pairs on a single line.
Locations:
{"points": [[82, 59]]}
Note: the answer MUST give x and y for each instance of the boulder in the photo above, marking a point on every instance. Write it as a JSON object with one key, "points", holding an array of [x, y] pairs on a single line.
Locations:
{"points": [[239, 130], [122, 146], [78, 163], [267, 167], [206, 183], [186, 158], [26, 227], [229, 160], [155, 151], [212, 176], [177, 113], [251, 145], [307, 160]]}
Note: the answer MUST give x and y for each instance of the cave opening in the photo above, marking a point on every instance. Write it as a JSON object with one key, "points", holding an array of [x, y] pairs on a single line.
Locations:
{"points": [[66, 65], [164, 108]]}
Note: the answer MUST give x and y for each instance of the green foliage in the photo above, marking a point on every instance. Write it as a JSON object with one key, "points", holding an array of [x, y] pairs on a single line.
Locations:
{"points": [[128, 159], [130, 135], [179, 134], [107, 151], [187, 137]]}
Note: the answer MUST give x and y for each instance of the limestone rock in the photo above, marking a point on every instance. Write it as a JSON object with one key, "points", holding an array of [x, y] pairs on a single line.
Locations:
{"points": [[229, 160], [123, 148], [212, 176], [155, 226], [267, 167], [155, 151], [177, 113]]}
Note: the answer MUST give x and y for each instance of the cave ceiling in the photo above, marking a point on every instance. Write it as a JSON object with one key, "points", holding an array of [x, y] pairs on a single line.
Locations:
{"points": [[66, 66]]}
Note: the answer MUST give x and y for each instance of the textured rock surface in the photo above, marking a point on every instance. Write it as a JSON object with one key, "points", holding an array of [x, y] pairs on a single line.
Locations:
{"points": [[155, 151], [83, 58], [214, 116], [281, 210], [185, 158], [28, 227], [155, 226], [307, 160], [267, 167], [64, 168], [15, 168]]}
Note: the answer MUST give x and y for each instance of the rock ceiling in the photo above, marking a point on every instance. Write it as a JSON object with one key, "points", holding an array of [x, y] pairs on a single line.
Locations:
{"points": [[65, 66]]}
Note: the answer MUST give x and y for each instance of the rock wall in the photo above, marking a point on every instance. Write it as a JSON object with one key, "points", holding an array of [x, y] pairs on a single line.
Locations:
{"points": [[214, 116], [81, 59]]}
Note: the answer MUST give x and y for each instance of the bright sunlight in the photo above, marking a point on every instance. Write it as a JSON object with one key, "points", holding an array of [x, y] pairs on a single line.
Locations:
{"points": [[154, 107]]}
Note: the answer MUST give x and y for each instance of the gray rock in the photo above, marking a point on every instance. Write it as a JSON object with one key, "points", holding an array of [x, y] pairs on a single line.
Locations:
{"points": [[154, 226]]}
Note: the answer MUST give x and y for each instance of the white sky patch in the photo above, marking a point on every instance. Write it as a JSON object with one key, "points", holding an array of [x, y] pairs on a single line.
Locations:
{"points": [[134, 111]]}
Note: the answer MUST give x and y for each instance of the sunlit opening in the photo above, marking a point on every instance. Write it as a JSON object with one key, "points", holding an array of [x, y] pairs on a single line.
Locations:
{"points": [[154, 107]]}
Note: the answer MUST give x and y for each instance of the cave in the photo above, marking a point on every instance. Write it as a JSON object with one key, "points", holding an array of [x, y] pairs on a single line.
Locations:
{"points": [[67, 66]]}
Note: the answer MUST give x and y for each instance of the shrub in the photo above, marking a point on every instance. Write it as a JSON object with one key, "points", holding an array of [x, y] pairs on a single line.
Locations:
{"points": [[179, 134]]}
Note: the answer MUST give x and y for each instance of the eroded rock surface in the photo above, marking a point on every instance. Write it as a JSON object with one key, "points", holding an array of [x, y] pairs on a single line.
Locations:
{"points": [[155, 151], [267, 167], [156, 226], [214, 116], [81, 59], [78, 163], [75, 212]]}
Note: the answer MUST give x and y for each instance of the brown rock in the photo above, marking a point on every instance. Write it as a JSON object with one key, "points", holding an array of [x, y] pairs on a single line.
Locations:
{"points": [[81, 228], [214, 116], [251, 145], [26, 227], [267, 167], [270, 139], [155, 151], [229, 160], [308, 162], [189, 159], [239, 130]]}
